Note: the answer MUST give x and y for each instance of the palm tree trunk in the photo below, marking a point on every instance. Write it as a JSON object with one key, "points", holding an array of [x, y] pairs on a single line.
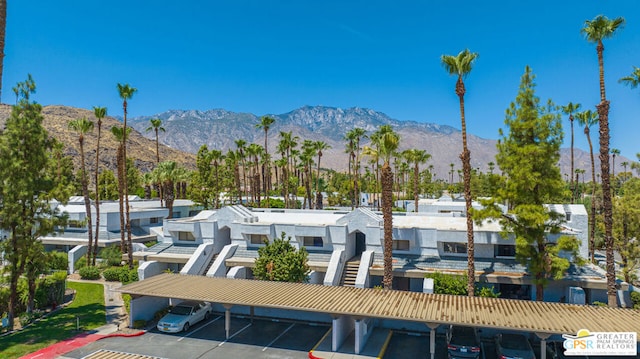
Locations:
{"points": [[95, 244], [571, 184], [87, 204], [3, 25], [387, 199], [592, 215], [157, 147], [466, 170], [123, 247], [416, 175]]}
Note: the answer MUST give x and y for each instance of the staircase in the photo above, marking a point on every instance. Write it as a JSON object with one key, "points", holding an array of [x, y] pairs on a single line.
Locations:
{"points": [[350, 272], [213, 259]]}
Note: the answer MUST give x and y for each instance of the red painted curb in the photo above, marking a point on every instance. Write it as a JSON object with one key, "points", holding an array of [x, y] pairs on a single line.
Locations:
{"points": [[80, 340], [122, 335], [311, 356]]}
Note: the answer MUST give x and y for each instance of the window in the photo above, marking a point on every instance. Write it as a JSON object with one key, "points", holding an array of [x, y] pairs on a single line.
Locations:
{"points": [[186, 236], [259, 238], [455, 248], [400, 245], [312, 241], [505, 250], [153, 220]]}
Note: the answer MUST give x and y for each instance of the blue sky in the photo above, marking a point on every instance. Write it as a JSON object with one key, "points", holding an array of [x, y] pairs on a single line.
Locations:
{"points": [[270, 57]]}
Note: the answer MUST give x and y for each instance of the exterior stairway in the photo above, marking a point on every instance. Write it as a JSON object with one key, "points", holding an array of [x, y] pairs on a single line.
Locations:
{"points": [[350, 272], [213, 259]]}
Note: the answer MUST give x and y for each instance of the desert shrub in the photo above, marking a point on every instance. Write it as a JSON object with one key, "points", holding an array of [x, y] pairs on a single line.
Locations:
{"points": [[58, 260], [89, 273], [111, 255], [635, 299]]}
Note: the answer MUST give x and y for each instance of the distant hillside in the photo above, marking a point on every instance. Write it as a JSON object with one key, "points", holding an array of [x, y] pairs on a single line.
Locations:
{"points": [[219, 128], [141, 149]]}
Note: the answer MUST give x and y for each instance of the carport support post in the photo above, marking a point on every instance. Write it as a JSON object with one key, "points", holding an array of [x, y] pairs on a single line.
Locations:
{"points": [[543, 344], [432, 339], [227, 319]]}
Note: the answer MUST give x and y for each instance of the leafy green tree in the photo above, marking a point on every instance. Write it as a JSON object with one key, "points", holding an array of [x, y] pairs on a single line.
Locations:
{"points": [[108, 185], [587, 119], [82, 126], [626, 228], [461, 65], [99, 113], [26, 187], [279, 261], [528, 155], [596, 30]]}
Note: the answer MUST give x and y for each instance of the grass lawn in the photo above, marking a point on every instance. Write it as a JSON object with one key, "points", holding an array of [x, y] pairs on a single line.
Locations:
{"points": [[88, 306]]}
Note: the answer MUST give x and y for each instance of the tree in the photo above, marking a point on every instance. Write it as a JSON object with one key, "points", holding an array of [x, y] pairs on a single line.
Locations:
{"points": [[100, 113], [26, 188], [529, 155], [167, 174], [587, 119], [118, 133], [126, 92], [626, 229], [596, 30], [353, 137], [569, 109], [265, 124], [82, 126], [387, 143], [632, 80], [156, 125], [461, 65], [306, 158], [279, 261], [416, 157], [319, 146], [614, 152]]}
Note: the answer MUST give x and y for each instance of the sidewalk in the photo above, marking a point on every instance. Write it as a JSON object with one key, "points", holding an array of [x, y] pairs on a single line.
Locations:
{"points": [[116, 319]]}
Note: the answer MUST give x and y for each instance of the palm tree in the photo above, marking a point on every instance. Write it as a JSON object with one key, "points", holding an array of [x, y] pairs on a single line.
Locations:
{"points": [[587, 119], [632, 80], [254, 151], [241, 146], [461, 65], [215, 156], [306, 157], [416, 157], [354, 136], [126, 92], [118, 133], [596, 30], [265, 123], [168, 172], [387, 143], [83, 126], [287, 143], [625, 164], [3, 25], [614, 152], [100, 113], [319, 146], [155, 124], [569, 109]]}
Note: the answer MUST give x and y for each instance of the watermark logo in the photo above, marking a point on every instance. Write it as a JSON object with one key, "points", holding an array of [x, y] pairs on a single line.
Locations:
{"points": [[600, 343]]}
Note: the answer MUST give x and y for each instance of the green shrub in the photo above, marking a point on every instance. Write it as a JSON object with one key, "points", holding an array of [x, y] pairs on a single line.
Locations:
{"points": [[111, 255], [28, 318], [126, 298], [58, 260], [50, 289], [81, 263], [113, 274], [448, 283], [150, 243], [89, 273], [488, 292], [599, 304], [139, 324], [635, 299]]}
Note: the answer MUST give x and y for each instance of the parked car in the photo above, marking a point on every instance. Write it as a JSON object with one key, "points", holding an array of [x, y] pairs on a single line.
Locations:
{"points": [[184, 315], [463, 342], [513, 346]]}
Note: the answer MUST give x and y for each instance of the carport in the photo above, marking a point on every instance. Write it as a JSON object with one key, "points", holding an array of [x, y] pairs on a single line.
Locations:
{"points": [[343, 303]]}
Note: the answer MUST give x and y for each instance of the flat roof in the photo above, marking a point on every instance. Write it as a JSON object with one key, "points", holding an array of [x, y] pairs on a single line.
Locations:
{"points": [[509, 314]]}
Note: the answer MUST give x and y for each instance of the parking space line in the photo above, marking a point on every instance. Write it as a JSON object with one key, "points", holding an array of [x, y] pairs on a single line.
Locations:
{"points": [[234, 334], [196, 330], [278, 337], [385, 345]]}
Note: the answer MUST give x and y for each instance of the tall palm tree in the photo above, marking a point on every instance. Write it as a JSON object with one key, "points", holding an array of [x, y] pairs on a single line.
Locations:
{"points": [[215, 157], [587, 119], [155, 124], [319, 146], [569, 109], [254, 151], [286, 145], [100, 113], [596, 30], [265, 124], [632, 80], [625, 164], [614, 152], [387, 143], [460, 65], [118, 134], [306, 157], [82, 126], [355, 136], [3, 26], [126, 92], [416, 157], [168, 173], [241, 146]]}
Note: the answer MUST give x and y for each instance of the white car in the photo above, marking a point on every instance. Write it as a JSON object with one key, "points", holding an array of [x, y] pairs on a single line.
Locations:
{"points": [[183, 316]]}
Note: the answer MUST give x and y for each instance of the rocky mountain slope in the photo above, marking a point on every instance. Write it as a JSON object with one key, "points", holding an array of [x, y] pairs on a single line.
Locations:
{"points": [[218, 128], [141, 149]]}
